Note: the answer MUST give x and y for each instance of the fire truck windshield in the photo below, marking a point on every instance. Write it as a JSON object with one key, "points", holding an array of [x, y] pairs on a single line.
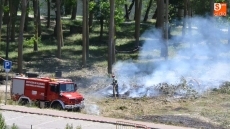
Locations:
{"points": [[67, 88]]}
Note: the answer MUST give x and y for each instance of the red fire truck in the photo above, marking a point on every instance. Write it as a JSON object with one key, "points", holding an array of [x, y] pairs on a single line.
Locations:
{"points": [[46, 92]]}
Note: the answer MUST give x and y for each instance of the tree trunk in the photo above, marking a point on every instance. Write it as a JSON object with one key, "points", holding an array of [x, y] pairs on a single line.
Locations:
{"points": [[185, 16], [27, 17], [147, 11], [211, 7], [8, 32], [48, 14], [113, 45], [55, 27], [74, 11], [166, 32], [20, 37], [39, 21], [6, 13], [90, 19], [13, 15], [68, 8], [166, 21], [189, 20], [228, 25], [160, 23], [58, 27], [35, 7], [126, 12], [136, 10], [160, 14], [101, 26], [87, 29], [84, 32], [138, 4], [7, 38], [62, 41], [189, 15], [1, 13], [129, 10], [111, 36], [155, 14]]}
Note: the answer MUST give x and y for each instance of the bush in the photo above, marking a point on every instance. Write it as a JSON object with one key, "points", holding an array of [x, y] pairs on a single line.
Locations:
{"points": [[3, 124], [71, 127], [14, 126]]}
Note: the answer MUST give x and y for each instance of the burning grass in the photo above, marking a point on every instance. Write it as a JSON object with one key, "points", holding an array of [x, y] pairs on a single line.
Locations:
{"points": [[210, 111]]}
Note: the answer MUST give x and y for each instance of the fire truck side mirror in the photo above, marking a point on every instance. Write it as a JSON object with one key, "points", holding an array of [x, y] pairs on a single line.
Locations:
{"points": [[75, 87]]}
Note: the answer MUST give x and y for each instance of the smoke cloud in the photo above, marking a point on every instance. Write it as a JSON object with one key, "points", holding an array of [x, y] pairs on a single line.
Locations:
{"points": [[201, 54], [92, 109]]}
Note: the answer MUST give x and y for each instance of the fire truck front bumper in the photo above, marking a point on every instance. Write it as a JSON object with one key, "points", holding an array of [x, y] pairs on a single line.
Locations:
{"points": [[76, 106]]}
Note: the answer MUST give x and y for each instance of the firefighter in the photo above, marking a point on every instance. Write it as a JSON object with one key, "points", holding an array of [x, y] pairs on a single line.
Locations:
{"points": [[115, 87]]}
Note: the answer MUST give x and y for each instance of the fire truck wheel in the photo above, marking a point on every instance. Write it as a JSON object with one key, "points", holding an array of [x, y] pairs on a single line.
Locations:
{"points": [[77, 110], [56, 105], [24, 102]]}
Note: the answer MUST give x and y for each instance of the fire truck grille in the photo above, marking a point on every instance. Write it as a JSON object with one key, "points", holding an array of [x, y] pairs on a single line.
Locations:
{"points": [[75, 101]]}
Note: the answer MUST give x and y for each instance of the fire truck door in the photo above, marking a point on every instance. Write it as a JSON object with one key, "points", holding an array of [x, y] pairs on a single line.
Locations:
{"points": [[53, 91]]}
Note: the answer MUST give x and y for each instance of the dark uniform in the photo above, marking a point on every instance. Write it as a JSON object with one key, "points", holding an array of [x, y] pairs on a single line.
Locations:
{"points": [[115, 87]]}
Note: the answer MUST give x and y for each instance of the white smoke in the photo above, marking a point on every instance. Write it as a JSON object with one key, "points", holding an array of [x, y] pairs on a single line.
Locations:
{"points": [[92, 109], [201, 54]]}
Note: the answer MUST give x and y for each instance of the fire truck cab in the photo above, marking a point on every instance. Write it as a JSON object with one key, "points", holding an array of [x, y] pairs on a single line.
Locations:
{"points": [[46, 92]]}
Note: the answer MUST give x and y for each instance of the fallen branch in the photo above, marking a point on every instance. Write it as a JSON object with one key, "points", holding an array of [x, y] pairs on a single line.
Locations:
{"points": [[2, 58], [128, 51]]}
